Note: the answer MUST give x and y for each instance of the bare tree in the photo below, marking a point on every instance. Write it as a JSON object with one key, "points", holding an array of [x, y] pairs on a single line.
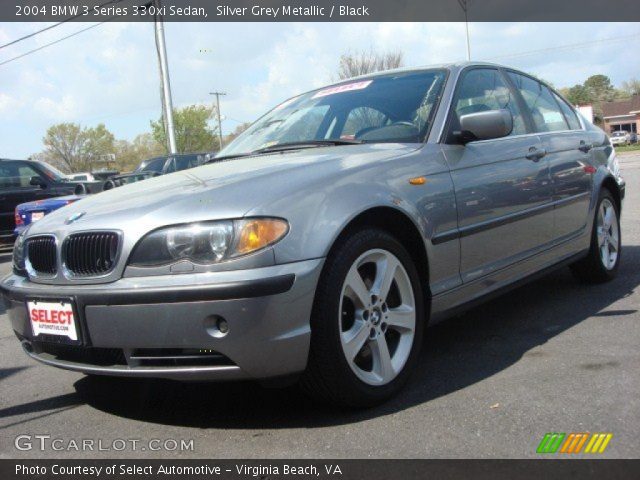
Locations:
{"points": [[360, 63], [631, 87]]}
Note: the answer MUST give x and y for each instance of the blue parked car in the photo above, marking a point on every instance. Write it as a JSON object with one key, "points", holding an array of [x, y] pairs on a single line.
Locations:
{"points": [[29, 212]]}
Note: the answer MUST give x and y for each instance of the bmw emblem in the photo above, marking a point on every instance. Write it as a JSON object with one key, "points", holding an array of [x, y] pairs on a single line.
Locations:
{"points": [[74, 217]]}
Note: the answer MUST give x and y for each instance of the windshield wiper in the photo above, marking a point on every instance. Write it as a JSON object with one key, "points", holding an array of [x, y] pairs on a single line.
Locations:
{"points": [[306, 144], [282, 147], [228, 157]]}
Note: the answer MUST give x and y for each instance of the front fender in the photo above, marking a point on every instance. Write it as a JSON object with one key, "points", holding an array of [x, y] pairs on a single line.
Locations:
{"points": [[319, 212]]}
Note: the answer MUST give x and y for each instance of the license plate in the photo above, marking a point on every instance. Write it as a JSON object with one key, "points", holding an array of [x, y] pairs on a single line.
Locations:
{"points": [[52, 318], [35, 216]]}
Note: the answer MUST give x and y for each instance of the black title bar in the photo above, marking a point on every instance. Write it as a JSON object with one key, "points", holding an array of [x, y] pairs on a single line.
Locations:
{"points": [[320, 10], [581, 469]]}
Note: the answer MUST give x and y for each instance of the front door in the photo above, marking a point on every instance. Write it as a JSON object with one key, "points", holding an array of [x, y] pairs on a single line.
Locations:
{"points": [[502, 186]]}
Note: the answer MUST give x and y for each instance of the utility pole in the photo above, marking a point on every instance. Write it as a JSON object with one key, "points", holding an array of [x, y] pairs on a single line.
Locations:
{"points": [[463, 5], [217, 94], [167, 103]]}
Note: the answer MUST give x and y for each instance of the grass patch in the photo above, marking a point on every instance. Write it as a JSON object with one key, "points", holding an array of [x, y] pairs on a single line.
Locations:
{"points": [[628, 148]]}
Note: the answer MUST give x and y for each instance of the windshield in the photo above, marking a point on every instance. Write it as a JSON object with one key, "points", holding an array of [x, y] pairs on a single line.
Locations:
{"points": [[397, 107], [619, 134], [152, 165], [52, 172]]}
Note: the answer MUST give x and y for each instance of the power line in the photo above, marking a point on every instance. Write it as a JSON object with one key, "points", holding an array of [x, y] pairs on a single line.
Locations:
{"points": [[52, 43], [32, 34], [566, 47], [54, 25]]}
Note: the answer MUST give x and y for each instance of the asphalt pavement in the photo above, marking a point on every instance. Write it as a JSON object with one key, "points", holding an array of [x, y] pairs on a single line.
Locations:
{"points": [[552, 356]]}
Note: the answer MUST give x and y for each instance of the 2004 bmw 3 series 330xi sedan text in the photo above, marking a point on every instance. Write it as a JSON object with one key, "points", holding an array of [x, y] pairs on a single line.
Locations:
{"points": [[318, 244]]}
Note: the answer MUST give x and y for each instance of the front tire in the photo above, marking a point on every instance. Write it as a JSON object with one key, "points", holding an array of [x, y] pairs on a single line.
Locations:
{"points": [[367, 321], [601, 264]]}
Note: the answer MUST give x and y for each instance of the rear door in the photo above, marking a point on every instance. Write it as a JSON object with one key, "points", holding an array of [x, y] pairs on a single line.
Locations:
{"points": [[568, 151], [502, 185]]}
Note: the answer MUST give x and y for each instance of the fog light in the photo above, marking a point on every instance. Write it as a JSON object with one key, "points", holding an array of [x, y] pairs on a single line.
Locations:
{"points": [[223, 326], [216, 326]]}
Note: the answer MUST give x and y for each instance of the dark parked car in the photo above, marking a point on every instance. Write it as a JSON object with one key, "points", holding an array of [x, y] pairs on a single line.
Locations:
{"points": [[24, 181], [156, 166]]}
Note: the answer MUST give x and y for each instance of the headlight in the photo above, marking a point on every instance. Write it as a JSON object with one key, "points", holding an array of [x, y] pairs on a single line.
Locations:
{"points": [[208, 242], [18, 255]]}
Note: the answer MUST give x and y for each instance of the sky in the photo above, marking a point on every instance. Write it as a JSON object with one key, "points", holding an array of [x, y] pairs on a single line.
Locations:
{"points": [[109, 74]]}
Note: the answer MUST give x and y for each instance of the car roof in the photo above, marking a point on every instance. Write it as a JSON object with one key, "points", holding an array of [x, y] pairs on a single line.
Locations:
{"points": [[453, 67], [436, 66]]}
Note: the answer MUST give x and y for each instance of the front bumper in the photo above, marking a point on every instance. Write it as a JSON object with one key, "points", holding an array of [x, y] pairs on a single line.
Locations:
{"points": [[164, 326]]}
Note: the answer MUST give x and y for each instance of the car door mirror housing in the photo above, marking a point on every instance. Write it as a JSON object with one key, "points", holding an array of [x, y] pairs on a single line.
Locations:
{"points": [[485, 125], [37, 182]]}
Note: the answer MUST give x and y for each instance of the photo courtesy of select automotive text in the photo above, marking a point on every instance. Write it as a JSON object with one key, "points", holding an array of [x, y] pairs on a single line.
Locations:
{"points": [[312, 239]]}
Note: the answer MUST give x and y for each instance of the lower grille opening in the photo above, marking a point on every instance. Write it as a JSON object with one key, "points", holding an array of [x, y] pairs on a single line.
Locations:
{"points": [[102, 357], [178, 357]]}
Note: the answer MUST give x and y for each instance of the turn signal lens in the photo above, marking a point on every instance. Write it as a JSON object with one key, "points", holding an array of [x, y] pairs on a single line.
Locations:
{"points": [[255, 234]]}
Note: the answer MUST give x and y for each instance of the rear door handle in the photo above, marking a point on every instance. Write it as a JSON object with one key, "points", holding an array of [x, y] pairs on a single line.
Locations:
{"points": [[584, 147], [535, 154]]}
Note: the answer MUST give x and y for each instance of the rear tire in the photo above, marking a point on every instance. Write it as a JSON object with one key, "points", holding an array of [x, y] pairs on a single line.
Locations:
{"points": [[367, 321], [603, 260]]}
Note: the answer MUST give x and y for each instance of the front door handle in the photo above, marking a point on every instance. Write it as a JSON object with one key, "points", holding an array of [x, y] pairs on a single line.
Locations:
{"points": [[584, 147], [535, 154]]}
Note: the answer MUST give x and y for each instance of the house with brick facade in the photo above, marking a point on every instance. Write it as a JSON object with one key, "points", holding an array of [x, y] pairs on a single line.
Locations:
{"points": [[622, 115]]}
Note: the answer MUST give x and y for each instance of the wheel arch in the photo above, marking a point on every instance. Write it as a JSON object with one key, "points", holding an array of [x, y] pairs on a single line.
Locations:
{"points": [[610, 184], [403, 228]]}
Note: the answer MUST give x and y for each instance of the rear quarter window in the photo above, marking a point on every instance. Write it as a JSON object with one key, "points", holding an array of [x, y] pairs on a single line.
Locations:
{"points": [[569, 113]]}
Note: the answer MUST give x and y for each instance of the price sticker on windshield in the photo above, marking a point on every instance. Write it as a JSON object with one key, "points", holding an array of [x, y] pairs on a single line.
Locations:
{"points": [[349, 87]]}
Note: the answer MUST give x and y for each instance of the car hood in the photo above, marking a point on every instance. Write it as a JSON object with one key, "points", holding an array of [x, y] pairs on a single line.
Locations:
{"points": [[226, 189]]}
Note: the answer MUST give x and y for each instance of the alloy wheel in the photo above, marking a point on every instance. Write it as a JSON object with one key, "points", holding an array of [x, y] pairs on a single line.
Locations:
{"points": [[377, 317], [608, 232]]}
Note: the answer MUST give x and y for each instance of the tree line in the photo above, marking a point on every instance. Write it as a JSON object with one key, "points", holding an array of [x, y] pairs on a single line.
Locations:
{"points": [[598, 89], [74, 148]]}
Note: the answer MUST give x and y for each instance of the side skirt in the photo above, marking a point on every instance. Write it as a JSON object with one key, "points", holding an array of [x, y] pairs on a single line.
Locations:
{"points": [[445, 305]]}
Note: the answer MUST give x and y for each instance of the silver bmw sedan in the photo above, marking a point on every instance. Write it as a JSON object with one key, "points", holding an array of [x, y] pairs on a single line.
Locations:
{"points": [[318, 245]]}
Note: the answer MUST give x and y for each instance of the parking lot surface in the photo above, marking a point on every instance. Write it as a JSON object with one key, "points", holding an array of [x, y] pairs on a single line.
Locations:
{"points": [[551, 356]]}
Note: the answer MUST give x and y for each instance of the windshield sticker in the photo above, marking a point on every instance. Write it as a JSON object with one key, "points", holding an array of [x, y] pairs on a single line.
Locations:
{"points": [[349, 87]]}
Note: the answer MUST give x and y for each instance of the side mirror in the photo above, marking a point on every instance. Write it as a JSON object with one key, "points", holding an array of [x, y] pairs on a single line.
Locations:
{"points": [[485, 125], [37, 182]]}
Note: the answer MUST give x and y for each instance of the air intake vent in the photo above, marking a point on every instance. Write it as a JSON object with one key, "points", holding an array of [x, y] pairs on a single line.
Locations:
{"points": [[90, 254], [42, 255]]}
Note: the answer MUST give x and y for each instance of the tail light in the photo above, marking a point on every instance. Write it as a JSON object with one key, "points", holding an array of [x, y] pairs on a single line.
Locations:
{"points": [[18, 218]]}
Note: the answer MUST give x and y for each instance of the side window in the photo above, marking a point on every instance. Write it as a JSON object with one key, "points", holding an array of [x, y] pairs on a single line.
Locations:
{"points": [[569, 113], [485, 89], [8, 175], [362, 119], [545, 111], [25, 173], [16, 174]]}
